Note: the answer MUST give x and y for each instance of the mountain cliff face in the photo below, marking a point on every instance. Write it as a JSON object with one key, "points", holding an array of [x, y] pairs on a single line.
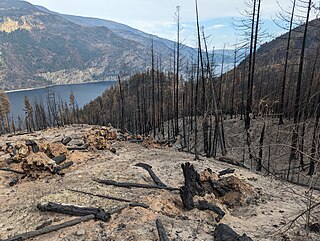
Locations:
{"points": [[39, 47]]}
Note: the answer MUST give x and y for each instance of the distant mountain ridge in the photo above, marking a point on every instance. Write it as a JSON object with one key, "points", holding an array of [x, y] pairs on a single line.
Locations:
{"points": [[39, 47]]}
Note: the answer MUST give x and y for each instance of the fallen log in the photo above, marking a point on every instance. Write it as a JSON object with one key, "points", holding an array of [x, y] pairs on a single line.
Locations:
{"points": [[204, 205], [101, 196], [224, 233], [154, 177], [98, 213], [59, 159], [161, 231], [62, 167], [49, 229], [226, 171], [134, 185], [11, 170]]}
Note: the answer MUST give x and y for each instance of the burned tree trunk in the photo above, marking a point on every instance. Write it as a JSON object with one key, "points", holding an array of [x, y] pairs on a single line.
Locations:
{"points": [[192, 187]]}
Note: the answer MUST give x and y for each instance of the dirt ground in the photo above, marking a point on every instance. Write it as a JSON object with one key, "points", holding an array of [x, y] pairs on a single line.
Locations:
{"points": [[266, 215]]}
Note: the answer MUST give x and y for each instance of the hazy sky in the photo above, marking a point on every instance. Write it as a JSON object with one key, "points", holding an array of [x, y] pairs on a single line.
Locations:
{"points": [[157, 16]]}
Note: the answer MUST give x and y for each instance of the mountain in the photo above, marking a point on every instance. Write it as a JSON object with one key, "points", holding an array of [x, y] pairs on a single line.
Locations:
{"points": [[162, 45], [39, 47]]}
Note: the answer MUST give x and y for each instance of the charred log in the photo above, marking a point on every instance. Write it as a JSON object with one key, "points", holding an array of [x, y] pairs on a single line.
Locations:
{"points": [[161, 231], [134, 185], [98, 213], [154, 177]]}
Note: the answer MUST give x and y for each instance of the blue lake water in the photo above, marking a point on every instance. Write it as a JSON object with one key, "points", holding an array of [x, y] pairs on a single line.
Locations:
{"points": [[84, 93]]}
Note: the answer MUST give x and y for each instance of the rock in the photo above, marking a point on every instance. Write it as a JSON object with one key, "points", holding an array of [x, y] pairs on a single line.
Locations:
{"points": [[80, 232]]}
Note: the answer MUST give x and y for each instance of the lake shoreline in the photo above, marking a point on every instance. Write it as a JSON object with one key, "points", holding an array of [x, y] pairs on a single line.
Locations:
{"points": [[50, 86]]}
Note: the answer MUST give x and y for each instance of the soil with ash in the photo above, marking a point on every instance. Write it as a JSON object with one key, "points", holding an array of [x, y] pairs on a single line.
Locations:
{"points": [[259, 206]]}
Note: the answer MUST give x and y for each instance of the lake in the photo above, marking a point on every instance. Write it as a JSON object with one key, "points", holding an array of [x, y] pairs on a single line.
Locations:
{"points": [[84, 93]]}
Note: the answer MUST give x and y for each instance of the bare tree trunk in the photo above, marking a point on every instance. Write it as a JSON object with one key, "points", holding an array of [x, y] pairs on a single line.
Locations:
{"points": [[286, 65]]}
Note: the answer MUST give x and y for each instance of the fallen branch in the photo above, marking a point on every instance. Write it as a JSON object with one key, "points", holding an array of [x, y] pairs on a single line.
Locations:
{"points": [[161, 231], [120, 208], [50, 229], [154, 177], [77, 148], [101, 196], [98, 213], [10, 170], [232, 162], [226, 171], [134, 185]]}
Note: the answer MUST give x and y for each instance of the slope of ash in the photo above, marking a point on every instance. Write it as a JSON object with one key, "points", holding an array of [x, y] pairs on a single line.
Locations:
{"points": [[259, 206]]}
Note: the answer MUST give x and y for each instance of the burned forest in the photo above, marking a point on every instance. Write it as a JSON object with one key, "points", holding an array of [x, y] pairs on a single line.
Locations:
{"points": [[193, 144]]}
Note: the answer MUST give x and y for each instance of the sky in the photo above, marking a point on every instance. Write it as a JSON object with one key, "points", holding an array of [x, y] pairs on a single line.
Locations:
{"points": [[157, 16]]}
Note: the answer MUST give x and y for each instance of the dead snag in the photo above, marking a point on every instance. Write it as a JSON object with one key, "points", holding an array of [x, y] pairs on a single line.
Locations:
{"points": [[204, 205], [49, 229], [154, 177], [191, 187], [224, 233], [226, 171], [98, 213], [134, 185], [161, 231]]}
